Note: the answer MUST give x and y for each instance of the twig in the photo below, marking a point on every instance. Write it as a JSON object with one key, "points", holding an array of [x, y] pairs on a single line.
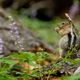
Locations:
{"points": [[69, 19], [66, 14]]}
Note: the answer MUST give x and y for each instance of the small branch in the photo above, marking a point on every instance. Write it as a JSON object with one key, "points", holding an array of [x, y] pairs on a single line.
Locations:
{"points": [[69, 19], [66, 14]]}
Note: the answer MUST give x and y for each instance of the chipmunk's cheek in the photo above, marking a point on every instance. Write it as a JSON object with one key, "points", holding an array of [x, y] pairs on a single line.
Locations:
{"points": [[61, 32]]}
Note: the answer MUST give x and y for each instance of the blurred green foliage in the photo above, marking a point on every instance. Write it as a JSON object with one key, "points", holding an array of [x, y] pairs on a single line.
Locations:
{"points": [[9, 70], [8, 66]]}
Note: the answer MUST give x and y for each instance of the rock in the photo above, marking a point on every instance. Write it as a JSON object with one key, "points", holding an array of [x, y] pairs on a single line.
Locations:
{"points": [[16, 38]]}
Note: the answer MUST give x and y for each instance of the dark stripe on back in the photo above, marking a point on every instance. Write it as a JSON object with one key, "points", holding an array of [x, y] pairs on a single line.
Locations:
{"points": [[69, 39], [74, 42]]}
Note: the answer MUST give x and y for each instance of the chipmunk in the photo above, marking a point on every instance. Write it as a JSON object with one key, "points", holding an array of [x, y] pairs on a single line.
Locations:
{"points": [[69, 38]]}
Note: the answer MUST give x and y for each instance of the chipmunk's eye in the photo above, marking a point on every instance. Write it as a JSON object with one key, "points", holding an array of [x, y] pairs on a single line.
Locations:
{"points": [[63, 23]]}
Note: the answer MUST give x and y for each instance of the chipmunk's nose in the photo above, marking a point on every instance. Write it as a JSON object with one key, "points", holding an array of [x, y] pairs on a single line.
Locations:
{"points": [[57, 29]]}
